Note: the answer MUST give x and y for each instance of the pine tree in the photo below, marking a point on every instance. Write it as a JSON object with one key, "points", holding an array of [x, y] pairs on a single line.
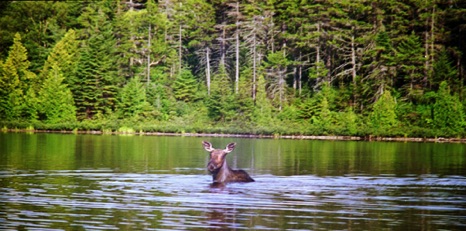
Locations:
{"points": [[410, 60], [15, 82], [383, 115], [40, 23], [132, 99], [276, 65], [262, 113], [445, 71], [221, 103], [65, 55], [97, 81], [185, 86], [379, 69], [55, 99], [449, 115]]}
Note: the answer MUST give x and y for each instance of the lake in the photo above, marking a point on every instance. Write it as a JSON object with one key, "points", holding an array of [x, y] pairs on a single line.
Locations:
{"points": [[111, 182]]}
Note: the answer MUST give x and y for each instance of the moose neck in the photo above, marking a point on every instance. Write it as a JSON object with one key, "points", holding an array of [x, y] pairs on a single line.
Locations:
{"points": [[223, 173]]}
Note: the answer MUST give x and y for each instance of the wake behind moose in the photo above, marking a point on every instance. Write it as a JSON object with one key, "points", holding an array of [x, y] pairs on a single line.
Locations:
{"points": [[218, 167]]}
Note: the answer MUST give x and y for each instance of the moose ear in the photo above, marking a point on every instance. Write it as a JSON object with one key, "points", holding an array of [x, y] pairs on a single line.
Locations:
{"points": [[207, 146], [230, 147]]}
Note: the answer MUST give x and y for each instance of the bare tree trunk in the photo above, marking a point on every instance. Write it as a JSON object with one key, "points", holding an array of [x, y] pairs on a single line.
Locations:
{"points": [[432, 36], [353, 60], [223, 47], [180, 49], [281, 81], [237, 50], [300, 82], [208, 70], [318, 54], [148, 57], [254, 77]]}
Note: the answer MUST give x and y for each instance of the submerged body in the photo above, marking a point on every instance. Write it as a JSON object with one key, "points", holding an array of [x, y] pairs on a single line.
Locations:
{"points": [[218, 167]]}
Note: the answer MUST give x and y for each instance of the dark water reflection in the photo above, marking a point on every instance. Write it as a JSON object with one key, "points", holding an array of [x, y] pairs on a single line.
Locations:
{"points": [[69, 182]]}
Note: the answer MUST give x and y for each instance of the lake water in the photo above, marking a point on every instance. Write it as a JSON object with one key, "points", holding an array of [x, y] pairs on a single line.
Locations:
{"points": [[108, 182]]}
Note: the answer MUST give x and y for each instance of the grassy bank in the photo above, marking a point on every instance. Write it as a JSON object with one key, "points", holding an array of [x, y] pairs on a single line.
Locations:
{"points": [[276, 129]]}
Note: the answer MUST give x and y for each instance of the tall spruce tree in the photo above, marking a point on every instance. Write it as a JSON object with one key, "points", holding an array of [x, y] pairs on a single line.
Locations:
{"points": [[409, 60], [55, 98], [132, 99], [383, 115], [449, 114], [15, 82], [97, 80], [185, 86], [65, 55]]}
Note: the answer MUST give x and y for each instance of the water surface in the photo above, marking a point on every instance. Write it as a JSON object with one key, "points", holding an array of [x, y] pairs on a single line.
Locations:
{"points": [[94, 182]]}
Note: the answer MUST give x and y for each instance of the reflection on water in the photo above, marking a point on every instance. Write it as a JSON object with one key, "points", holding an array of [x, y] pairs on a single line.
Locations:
{"points": [[103, 199], [77, 182]]}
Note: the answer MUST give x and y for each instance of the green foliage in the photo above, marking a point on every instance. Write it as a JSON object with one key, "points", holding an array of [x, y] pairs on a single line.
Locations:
{"points": [[15, 82], [383, 115], [448, 112], [444, 70], [409, 57], [132, 99], [325, 67], [55, 99], [64, 54], [185, 86], [262, 112], [97, 81], [221, 103]]}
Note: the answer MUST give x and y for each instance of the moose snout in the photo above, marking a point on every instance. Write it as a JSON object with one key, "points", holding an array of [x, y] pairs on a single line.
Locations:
{"points": [[211, 167]]}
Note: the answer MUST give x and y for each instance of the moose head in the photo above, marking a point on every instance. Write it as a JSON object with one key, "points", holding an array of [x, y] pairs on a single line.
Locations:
{"points": [[218, 167]]}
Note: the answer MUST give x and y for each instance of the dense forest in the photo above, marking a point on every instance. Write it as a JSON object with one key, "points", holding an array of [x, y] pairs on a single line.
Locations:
{"points": [[322, 67]]}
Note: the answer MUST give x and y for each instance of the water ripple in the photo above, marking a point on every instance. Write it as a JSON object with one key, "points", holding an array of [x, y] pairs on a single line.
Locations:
{"points": [[106, 200]]}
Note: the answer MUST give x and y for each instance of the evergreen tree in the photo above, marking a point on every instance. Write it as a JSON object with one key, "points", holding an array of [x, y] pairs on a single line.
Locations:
{"points": [[409, 58], [55, 99], [445, 71], [276, 65], [40, 23], [16, 80], [132, 99], [221, 103], [383, 115], [65, 55], [185, 86], [263, 110], [379, 69], [448, 112], [97, 81]]}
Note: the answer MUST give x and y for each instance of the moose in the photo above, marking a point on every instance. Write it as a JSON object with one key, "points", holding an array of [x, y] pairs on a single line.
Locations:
{"points": [[218, 167]]}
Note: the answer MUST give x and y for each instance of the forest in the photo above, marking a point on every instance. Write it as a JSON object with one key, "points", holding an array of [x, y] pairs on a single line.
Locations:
{"points": [[383, 68]]}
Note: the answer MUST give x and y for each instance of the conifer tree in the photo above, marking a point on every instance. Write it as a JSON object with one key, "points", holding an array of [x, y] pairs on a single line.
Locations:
{"points": [[383, 115], [276, 65], [132, 99], [97, 81], [448, 112], [55, 98], [410, 60], [445, 71], [262, 113], [65, 55], [185, 86], [221, 104], [16, 80]]}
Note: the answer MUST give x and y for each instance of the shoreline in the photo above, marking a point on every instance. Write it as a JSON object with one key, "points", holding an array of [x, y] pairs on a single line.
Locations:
{"points": [[254, 136]]}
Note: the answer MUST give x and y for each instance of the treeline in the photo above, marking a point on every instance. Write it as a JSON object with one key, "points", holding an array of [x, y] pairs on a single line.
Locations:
{"points": [[323, 67]]}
